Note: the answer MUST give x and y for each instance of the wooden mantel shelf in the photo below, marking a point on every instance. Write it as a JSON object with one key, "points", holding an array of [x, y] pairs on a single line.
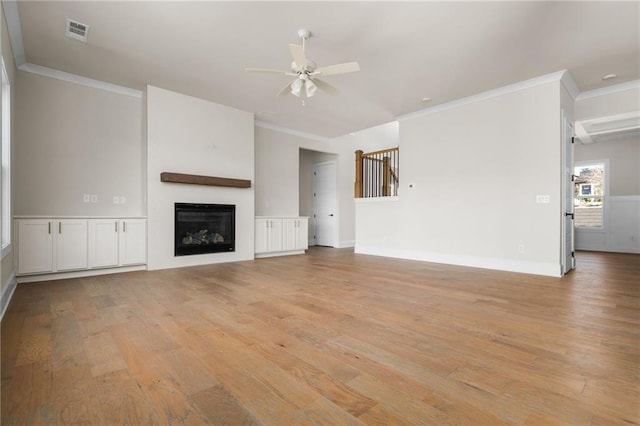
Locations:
{"points": [[204, 180]]}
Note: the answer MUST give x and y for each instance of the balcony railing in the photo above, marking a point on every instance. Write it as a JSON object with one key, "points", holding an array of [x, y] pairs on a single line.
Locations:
{"points": [[377, 173]]}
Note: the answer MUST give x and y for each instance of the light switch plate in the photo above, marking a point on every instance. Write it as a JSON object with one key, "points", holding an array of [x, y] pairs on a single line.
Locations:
{"points": [[543, 199]]}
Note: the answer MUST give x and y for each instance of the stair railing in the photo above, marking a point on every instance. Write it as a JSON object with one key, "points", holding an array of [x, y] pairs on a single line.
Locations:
{"points": [[377, 173]]}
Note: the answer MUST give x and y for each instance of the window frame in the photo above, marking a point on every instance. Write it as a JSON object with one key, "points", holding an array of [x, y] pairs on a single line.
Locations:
{"points": [[5, 157]]}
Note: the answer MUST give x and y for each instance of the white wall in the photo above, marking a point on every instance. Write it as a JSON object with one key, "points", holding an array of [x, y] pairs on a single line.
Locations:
{"points": [[621, 230], [477, 169], [194, 136], [278, 169], [75, 140]]}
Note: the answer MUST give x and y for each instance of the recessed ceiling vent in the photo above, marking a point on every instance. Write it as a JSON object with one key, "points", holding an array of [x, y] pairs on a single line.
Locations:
{"points": [[77, 31]]}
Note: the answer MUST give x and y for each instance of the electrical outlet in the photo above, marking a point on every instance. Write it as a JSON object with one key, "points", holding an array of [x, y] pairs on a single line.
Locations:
{"points": [[94, 198], [123, 200], [116, 199], [521, 248], [86, 198], [543, 199]]}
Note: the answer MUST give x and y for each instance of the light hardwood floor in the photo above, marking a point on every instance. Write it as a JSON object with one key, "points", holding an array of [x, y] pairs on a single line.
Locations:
{"points": [[327, 338]]}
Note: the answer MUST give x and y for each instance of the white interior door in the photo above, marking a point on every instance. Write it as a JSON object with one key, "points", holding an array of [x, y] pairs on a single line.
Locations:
{"points": [[568, 258], [324, 203]]}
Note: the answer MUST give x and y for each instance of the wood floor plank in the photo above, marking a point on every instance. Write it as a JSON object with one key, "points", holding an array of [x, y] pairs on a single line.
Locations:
{"points": [[222, 408], [76, 399], [327, 338], [411, 409], [35, 344], [323, 412]]}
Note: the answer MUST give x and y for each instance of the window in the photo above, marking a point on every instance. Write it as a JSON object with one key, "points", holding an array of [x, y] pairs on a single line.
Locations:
{"points": [[5, 176], [590, 194]]}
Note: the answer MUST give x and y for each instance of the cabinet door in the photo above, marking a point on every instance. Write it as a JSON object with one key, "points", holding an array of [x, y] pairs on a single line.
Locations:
{"points": [[103, 243], [262, 236], [303, 234], [133, 242], [72, 244], [275, 234], [35, 246], [289, 234]]}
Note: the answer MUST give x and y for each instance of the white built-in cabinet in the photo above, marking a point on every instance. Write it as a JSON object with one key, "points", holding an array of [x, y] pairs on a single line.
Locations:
{"points": [[52, 245], [71, 244], [48, 245], [117, 242], [275, 236]]}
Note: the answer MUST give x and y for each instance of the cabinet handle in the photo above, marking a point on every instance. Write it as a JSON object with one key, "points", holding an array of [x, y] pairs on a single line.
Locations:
{"points": [[59, 227], [116, 223], [124, 226], [49, 227]]}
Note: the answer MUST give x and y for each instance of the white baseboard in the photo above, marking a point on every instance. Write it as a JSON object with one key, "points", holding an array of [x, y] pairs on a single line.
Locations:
{"points": [[346, 244], [79, 274], [279, 253], [630, 250], [521, 266], [7, 294]]}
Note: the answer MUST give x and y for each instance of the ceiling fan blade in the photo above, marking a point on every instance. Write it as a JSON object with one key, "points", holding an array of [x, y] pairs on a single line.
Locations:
{"points": [[323, 85], [297, 53], [338, 69], [285, 90], [265, 70]]}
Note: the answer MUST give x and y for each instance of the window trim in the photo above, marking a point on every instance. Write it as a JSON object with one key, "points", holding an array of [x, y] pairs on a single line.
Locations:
{"points": [[605, 197], [5, 154]]}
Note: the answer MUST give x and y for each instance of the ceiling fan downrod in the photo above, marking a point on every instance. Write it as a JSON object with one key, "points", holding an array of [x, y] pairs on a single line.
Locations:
{"points": [[304, 35]]}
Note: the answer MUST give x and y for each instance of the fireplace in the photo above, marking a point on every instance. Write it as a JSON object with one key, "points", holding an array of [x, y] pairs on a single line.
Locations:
{"points": [[204, 228]]}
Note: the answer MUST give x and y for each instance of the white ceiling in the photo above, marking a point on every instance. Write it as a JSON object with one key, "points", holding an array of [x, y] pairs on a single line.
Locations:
{"points": [[406, 50]]}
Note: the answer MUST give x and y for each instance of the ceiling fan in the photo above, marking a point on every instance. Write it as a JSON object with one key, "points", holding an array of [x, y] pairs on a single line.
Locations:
{"points": [[305, 72]]}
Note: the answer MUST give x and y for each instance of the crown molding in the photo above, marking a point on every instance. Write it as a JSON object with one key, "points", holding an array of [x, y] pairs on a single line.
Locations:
{"points": [[289, 131], [634, 84], [78, 79], [570, 84], [490, 94]]}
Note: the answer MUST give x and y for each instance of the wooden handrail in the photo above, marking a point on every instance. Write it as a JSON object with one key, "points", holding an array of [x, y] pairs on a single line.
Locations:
{"points": [[371, 159], [382, 151]]}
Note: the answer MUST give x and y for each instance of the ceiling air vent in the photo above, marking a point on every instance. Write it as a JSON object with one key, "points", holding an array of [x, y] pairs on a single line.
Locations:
{"points": [[77, 31]]}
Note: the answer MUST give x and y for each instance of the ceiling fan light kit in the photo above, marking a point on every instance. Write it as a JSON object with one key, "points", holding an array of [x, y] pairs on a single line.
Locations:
{"points": [[306, 72]]}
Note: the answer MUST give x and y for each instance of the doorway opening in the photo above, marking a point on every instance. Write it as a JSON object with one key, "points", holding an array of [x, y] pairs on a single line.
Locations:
{"points": [[318, 196]]}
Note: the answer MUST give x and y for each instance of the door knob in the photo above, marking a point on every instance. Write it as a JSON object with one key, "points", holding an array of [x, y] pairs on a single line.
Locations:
{"points": [[331, 214]]}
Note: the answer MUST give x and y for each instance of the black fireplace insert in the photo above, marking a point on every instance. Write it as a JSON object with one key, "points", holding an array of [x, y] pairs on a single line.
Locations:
{"points": [[204, 228]]}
